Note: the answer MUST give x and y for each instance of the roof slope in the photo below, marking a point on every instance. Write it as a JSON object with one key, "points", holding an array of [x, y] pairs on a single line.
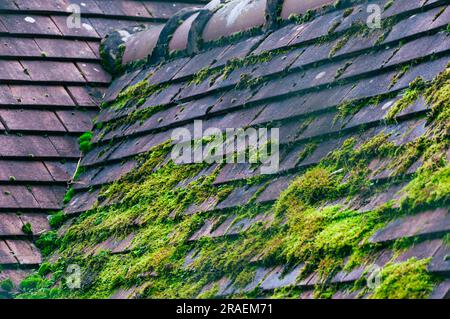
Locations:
{"points": [[51, 82], [363, 180]]}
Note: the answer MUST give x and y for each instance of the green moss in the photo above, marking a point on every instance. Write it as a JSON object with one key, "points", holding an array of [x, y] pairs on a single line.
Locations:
{"points": [[399, 75], [84, 142], [7, 285], [307, 151], [44, 269], [56, 220], [33, 282], [388, 4], [427, 189], [245, 277], [26, 228], [407, 280], [342, 69], [347, 12], [315, 185], [351, 107], [416, 88], [69, 195], [47, 242], [308, 227], [302, 18], [339, 45]]}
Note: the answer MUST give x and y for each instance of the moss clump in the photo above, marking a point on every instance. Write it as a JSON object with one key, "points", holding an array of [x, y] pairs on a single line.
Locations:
{"points": [[245, 278], [315, 185], [308, 226], [69, 195], [56, 220], [27, 230], [427, 188], [7, 285], [47, 242], [302, 18], [32, 282], [339, 45], [407, 280], [84, 142], [307, 151], [44, 269], [416, 88]]}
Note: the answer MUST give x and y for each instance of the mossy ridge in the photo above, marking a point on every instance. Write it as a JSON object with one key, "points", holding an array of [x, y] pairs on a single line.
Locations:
{"points": [[136, 95]]}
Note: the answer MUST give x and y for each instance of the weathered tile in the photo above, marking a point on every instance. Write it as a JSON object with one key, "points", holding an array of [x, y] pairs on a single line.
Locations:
{"points": [[61, 171], [25, 252], [39, 222], [81, 202], [86, 30], [278, 278], [93, 72], [239, 196], [29, 24], [53, 71], [40, 95], [18, 171], [14, 47], [442, 291], [440, 262], [10, 225], [6, 255], [12, 71], [66, 146], [426, 223], [26, 146], [76, 121], [31, 120]]}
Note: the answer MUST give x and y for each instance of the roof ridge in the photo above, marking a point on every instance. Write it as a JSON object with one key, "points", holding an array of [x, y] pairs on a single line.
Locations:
{"points": [[191, 31]]}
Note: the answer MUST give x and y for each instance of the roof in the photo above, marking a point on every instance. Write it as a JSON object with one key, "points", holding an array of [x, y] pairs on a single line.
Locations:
{"points": [[51, 83], [359, 205]]}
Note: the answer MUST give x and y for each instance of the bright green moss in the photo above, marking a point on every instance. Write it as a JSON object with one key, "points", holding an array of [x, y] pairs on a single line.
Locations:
{"points": [[407, 280], [47, 242], [33, 282], [245, 277], [307, 228], [44, 269], [57, 219], [427, 188], [409, 97], [68, 196], [7, 285], [84, 142], [26, 228], [315, 185]]}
